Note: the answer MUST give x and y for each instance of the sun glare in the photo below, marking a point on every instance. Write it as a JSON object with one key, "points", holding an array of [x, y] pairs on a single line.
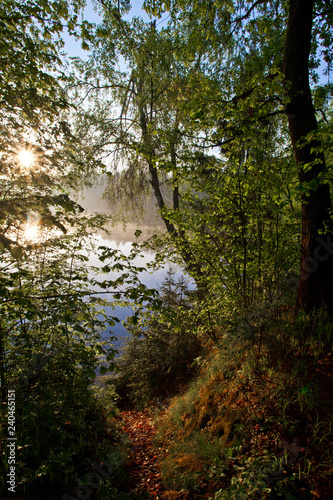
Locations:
{"points": [[31, 233], [26, 158]]}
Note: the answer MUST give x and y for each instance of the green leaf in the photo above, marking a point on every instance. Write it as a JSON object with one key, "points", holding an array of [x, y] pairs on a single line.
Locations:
{"points": [[103, 370], [16, 252], [90, 373]]}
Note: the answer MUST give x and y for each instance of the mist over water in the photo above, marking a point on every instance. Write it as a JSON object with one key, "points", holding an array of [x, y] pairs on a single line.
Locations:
{"points": [[140, 213], [121, 237]]}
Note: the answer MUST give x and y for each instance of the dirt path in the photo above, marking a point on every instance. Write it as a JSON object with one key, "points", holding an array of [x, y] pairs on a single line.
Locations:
{"points": [[142, 459]]}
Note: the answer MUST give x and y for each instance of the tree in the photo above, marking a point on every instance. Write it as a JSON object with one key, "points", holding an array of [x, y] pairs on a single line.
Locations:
{"points": [[51, 311], [316, 276], [158, 357], [250, 38], [49, 335], [177, 100], [149, 129], [41, 272]]}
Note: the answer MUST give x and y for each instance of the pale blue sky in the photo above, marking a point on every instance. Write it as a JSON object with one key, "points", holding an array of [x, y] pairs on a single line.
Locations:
{"points": [[73, 47]]}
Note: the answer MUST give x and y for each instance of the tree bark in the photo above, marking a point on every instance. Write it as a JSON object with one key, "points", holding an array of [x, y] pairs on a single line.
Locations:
{"points": [[316, 273], [192, 266]]}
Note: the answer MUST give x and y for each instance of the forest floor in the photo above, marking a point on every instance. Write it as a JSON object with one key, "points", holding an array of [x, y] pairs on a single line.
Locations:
{"points": [[286, 417], [143, 458]]}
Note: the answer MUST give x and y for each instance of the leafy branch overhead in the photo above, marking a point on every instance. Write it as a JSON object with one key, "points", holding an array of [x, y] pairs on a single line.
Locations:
{"points": [[48, 299], [235, 79]]}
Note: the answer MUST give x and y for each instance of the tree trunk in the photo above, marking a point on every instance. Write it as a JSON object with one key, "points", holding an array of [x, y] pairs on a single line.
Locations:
{"points": [[316, 274], [192, 266]]}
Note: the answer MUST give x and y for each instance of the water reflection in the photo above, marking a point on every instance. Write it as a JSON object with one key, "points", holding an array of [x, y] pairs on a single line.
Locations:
{"points": [[152, 279], [121, 238]]}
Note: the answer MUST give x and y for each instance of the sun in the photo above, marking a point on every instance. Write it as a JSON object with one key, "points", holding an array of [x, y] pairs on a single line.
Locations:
{"points": [[31, 233], [26, 158]]}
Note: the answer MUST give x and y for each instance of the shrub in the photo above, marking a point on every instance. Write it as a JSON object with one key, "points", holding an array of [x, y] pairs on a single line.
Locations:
{"points": [[158, 359], [60, 429], [256, 421]]}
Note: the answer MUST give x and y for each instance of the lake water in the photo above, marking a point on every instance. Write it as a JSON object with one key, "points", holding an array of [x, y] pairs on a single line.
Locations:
{"points": [[121, 239], [150, 279]]}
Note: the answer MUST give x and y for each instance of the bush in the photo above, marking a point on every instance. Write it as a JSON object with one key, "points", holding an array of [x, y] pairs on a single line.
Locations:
{"points": [[256, 422], [158, 359], [60, 429]]}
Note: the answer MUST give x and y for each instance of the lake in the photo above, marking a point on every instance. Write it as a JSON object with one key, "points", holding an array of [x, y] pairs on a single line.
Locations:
{"points": [[121, 238], [150, 279]]}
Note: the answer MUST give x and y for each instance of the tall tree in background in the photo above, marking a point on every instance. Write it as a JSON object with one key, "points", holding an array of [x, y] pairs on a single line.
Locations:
{"points": [[178, 96], [136, 110]]}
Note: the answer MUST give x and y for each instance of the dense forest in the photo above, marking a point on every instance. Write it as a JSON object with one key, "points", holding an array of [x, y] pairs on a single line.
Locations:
{"points": [[219, 112]]}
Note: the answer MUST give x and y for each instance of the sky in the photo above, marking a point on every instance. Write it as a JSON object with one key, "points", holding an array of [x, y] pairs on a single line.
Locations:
{"points": [[73, 47]]}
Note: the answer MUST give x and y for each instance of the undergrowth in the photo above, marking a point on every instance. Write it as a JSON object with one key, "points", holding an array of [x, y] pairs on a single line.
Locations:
{"points": [[159, 356], [257, 421], [64, 437]]}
